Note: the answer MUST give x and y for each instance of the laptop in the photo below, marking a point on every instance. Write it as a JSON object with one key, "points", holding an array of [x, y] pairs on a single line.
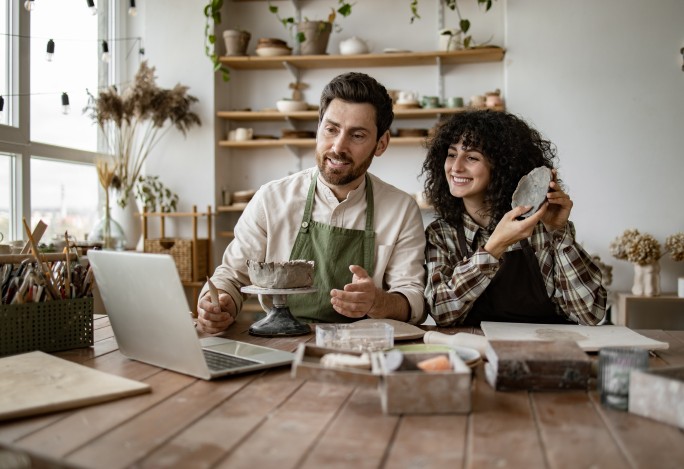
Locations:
{"points": [[149, 314]]}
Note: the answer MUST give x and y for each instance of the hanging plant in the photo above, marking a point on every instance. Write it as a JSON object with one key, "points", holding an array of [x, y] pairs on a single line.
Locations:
{"points": [[212, 14], [463, 23]]}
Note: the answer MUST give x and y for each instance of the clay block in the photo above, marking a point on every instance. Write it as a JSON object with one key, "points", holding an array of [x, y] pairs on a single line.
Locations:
{"points": [[537, 365], [658, 394]]}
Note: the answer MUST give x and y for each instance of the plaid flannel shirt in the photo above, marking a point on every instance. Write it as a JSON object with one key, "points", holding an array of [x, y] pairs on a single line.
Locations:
{"points": [[456, 279]]}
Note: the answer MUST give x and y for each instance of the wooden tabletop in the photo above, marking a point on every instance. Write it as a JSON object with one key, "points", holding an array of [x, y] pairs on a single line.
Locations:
{"points": [[268, 419]]}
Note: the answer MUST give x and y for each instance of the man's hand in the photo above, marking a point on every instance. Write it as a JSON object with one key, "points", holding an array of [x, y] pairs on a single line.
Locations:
{"points": [[213, 319], [358, 298]]}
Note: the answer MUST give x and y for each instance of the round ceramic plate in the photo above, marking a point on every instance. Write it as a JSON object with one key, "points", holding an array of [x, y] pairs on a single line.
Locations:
{"points": [[470, 356], [402, 330], [532, 190]]}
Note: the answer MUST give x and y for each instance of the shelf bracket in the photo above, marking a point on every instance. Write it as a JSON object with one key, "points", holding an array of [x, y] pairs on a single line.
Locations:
{"points": [[294, 71], [440, 79]]}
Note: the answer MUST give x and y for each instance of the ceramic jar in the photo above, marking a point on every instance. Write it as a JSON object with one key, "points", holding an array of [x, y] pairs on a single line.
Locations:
{"points": [[353, 46]]}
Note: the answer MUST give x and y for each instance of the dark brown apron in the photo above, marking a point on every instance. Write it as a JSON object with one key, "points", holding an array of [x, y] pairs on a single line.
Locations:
{"points": [[516, 293]]}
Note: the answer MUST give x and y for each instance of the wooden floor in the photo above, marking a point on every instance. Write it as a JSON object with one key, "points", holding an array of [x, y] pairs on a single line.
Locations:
{"points": [[268, 419]]}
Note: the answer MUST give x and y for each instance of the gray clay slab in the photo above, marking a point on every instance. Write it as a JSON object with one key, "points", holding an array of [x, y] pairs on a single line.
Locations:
{"points": [[281, 275], [532, 189]]}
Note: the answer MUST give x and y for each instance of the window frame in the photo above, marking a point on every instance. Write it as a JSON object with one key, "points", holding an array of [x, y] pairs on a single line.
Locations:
{"points": [[15, 139]]}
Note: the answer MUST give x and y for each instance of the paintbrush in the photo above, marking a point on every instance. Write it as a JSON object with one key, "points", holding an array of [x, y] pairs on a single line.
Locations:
{"points": [[213, 292]]}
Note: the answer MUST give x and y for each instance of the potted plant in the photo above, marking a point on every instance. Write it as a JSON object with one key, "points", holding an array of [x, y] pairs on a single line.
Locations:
{"points": [[313, 35], [455, 38], [133, 122], [154, 195]]}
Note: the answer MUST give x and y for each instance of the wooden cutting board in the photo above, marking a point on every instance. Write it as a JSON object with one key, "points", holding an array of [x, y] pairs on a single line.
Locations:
{"points": [[36, 382]]}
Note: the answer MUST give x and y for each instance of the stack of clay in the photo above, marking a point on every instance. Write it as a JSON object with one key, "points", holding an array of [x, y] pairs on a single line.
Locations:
{"points": [[280, 275]]}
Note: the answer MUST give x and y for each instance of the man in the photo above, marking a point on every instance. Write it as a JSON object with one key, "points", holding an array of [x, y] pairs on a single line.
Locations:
{"points": [[365, 236]]}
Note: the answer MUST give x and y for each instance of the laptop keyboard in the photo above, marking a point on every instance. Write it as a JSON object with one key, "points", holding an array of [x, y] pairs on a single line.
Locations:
{"points": [[219, 361]]}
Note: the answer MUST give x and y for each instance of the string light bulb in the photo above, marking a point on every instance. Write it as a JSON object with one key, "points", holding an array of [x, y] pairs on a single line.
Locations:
{"points": [[105, 52], [50, 50], [91, 5], [65, 104], [132, 10], [30, 5]]}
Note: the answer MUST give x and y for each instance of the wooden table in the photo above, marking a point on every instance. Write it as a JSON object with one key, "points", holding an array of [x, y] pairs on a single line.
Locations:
{"points": [[268, 419]]}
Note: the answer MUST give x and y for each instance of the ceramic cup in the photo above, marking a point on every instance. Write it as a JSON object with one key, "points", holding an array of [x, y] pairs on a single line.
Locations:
{"points": [[407, 97], [430, 102], [242, 133], [455, 101]]}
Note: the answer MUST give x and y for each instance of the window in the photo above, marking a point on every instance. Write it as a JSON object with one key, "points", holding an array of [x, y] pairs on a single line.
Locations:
{"points": [[5, 195], [47, 158], [64, 203]]}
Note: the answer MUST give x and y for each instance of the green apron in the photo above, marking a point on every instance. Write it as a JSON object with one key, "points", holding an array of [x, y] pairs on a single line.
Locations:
{"points": [[333, 249]]}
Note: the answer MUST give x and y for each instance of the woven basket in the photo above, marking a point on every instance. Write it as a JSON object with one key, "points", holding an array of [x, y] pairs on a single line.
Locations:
{"points": [[181, 251], [50, 326]]}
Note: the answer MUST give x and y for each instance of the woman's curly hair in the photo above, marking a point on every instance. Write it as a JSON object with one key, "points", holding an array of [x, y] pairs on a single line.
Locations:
{"points": [[511, 147]]}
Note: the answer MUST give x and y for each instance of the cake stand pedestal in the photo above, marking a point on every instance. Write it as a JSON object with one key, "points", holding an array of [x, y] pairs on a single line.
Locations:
{"points": [[279, 320]]}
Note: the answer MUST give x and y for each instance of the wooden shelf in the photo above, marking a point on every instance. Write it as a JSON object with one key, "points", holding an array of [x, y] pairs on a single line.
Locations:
{"points": [[394, 59], [267, 115], [302, 142]]}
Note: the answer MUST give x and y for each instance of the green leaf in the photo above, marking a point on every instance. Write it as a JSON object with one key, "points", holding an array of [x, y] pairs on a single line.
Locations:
{"points": [[465, 25], [345, 10], [466, 42], [273, 9], [301, 37], [212, 39]]}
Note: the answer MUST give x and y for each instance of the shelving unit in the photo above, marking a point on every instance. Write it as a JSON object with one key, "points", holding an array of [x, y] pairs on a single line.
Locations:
{"points": [[394, 59]]}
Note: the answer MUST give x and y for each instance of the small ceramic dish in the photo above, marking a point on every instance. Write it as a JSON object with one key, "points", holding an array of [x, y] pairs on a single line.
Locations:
{"points": [[273, 51], [288, 105], [470, 356]]}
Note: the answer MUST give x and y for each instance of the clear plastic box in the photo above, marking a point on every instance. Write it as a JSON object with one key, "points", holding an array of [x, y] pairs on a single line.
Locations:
{"points": [[355, 337]]}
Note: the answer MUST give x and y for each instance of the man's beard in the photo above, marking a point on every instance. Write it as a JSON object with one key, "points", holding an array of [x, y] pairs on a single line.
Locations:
{"points": [[341, 177]]}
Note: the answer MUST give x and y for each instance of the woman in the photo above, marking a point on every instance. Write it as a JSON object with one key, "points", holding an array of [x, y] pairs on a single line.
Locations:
{"points": [[485, 262]]}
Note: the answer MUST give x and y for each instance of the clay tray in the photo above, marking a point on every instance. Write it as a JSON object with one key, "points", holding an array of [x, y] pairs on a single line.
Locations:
{"points": [[404, 391]]}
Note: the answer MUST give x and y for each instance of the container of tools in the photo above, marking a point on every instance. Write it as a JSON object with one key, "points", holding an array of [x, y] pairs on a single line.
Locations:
{"points": [[46, 303]]}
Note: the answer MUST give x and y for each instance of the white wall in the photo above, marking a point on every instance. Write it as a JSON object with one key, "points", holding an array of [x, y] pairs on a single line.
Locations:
{"points": [[602, 80], [173, 37]]}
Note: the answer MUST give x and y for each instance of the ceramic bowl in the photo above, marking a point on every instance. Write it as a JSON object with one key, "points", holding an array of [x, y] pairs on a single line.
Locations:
{"points": [[288, 105], [273, 51]]}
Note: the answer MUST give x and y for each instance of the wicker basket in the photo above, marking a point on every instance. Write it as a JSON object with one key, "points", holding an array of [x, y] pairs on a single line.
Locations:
{"points": [[181, 251], [50, 326]]}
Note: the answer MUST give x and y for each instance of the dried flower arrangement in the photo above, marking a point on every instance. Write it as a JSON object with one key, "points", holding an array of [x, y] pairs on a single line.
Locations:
{"points": [[134, 121], [644, 249]]}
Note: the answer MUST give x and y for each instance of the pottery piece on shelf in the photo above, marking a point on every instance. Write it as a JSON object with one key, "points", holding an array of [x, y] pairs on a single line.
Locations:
{"points": [[236, 42], [289, 274], [532, 190], [290, 105], [353, 46]]}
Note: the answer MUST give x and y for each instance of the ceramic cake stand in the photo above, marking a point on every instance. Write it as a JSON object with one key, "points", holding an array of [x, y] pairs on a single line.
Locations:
{"points": [[278, 321]]}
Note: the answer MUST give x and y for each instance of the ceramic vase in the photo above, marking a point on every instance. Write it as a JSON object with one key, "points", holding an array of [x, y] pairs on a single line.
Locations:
{"points": [[316, 35], [129, 219], [646, 280], [236, 42]]}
